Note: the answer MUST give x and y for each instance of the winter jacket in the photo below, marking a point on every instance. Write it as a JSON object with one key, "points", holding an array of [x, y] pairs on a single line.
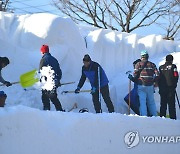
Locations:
{"points": [[168, 76], [48, 60], [92, 74], [146, 73]]}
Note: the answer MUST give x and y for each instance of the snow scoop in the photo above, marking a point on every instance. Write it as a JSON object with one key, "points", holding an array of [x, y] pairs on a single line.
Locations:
{"points": [[177, 99], [64, 92], [28, 79], [73, 107]]}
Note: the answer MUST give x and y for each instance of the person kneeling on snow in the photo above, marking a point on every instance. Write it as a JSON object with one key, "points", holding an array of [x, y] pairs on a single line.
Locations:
{"points": [[3, 97], [47, 95], [4, 61], [146, 74], [91, 71]]}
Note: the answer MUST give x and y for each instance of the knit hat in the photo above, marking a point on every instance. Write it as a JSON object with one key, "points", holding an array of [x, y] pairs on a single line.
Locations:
{"points": [[44, 49], [87, 58], [144, 52], [169, 58], [4, 60]]}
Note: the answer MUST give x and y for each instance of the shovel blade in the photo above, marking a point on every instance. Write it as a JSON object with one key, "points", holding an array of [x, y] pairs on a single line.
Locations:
{"points": [[28, 79]]}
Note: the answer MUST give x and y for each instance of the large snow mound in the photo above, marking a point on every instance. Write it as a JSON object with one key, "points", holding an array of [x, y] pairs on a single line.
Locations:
{"points": [[27, 130], [22, 35], [24, 128]]}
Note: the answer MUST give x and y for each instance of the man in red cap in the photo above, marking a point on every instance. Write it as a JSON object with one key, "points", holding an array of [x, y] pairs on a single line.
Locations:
{"points": [[47, 95]]}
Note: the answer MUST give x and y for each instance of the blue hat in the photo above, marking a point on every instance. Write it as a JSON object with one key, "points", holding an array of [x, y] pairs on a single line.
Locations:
{"points": [[2, 94], [144, 52]]}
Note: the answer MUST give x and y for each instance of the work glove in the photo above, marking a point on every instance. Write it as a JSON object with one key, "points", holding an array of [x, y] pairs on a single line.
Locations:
{"points": [[58, 84], [7, 83], [93, 90], [130, 77], [77, 90]]}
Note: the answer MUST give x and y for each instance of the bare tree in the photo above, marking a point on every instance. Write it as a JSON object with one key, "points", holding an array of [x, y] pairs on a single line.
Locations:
{"points": [[4, 5], [171, 23], [124, 15]]}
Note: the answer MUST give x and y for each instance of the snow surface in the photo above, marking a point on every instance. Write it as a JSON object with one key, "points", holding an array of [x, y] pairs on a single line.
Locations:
{"points": [[24, 128]]}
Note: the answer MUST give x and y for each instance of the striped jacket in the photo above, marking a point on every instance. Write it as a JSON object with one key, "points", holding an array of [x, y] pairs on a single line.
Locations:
{"points": [[146, 75]]}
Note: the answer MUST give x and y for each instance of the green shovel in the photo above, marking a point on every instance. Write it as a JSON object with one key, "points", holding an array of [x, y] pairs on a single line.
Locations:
{"points": [[28, 79]]}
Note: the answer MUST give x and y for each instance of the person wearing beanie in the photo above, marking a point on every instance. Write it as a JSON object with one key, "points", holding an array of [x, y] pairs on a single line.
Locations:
{"points": [[4, 61], [44, 49], [146, 74], [49, 60], [92, 70], [167, 87]]}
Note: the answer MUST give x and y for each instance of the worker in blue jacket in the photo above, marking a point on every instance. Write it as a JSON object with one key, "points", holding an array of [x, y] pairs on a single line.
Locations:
{"points": [[90, 70]]}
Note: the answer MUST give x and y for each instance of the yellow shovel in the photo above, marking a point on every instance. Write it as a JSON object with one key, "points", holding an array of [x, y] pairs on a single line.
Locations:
{"points": [[27, 79]]}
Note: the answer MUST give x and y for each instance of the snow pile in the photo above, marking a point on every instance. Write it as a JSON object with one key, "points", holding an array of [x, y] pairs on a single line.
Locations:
{"points": [[30, 130], [27, 130], [22, 37]]}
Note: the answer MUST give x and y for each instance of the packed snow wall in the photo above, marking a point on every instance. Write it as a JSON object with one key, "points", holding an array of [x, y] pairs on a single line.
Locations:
{"points": [[25, 130], [21, 37]]}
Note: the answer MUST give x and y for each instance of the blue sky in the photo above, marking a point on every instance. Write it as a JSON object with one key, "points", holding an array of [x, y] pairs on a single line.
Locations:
{"points": [[35, 6]]}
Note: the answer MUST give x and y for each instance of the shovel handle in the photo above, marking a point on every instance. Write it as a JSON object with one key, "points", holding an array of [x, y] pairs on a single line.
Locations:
{"points": [[11, 83], [67, 83], [73, 107], [74, 91]]}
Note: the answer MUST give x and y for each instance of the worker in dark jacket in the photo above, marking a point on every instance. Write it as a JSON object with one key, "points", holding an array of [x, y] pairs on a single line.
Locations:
{"points": [[4, 61], [167, 87], [92, 70], [47, 95]]}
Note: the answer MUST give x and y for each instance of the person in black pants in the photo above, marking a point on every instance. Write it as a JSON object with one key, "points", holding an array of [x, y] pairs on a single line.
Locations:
{"points": [[47, 95], [167, 87], [91, 70]]}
